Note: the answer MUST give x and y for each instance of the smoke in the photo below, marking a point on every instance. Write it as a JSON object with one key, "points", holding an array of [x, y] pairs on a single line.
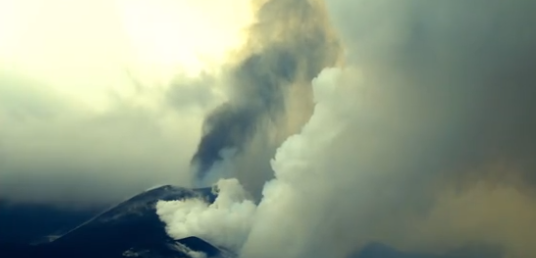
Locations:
{"points": [[269, 91], [423, 140], [225, 223]]}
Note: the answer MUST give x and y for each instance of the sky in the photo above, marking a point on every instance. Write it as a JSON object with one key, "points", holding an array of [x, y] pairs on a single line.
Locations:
{"points": [[409, 123], [103, 94]]}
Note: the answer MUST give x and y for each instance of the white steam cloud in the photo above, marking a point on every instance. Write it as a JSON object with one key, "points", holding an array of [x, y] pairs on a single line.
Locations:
{"points": [[225, 223], [234, 222], [286, 200]]}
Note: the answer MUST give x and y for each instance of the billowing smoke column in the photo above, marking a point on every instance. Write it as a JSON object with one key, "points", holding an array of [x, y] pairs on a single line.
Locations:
{"points": [[424, 140], [289, 45]]}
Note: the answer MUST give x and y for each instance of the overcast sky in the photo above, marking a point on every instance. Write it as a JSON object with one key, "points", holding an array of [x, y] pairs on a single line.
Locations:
{"points": [[102, 99]]}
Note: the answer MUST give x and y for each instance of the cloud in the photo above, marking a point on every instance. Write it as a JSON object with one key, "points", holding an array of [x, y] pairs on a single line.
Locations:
{"points": [[269, 91], [423, 140], [54, 150], [225, 223], [93, 111]]}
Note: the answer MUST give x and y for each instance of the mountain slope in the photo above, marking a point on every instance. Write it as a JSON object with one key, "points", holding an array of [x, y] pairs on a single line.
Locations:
{"points": [[130, 228]]}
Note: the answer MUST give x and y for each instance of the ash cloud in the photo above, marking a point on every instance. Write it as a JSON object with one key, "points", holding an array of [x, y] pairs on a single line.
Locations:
{"points": [[423, 140], [469, 64], [290, 43]]}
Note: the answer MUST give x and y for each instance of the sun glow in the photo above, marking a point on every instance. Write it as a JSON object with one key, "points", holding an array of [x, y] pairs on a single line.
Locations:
{"points": [[86, 49]]}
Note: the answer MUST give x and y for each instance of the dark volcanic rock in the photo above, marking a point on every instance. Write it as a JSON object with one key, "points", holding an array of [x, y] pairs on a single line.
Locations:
{"points": [[24, 223], [199, 245], [131, 228]]}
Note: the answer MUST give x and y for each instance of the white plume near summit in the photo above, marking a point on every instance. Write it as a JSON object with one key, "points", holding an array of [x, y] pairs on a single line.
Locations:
{"points": [[284, 217], [225, 223]]}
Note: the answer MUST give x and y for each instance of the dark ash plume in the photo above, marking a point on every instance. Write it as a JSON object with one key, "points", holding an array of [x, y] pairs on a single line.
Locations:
{"points": [[289, 45]]}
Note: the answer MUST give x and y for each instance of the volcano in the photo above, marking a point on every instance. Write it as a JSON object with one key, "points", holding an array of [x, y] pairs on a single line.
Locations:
{"points": [[133, 229], [129, 229]]}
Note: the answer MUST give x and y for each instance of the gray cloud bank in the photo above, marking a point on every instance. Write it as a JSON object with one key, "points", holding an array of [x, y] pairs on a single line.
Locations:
{"points": [[53, 150]]}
